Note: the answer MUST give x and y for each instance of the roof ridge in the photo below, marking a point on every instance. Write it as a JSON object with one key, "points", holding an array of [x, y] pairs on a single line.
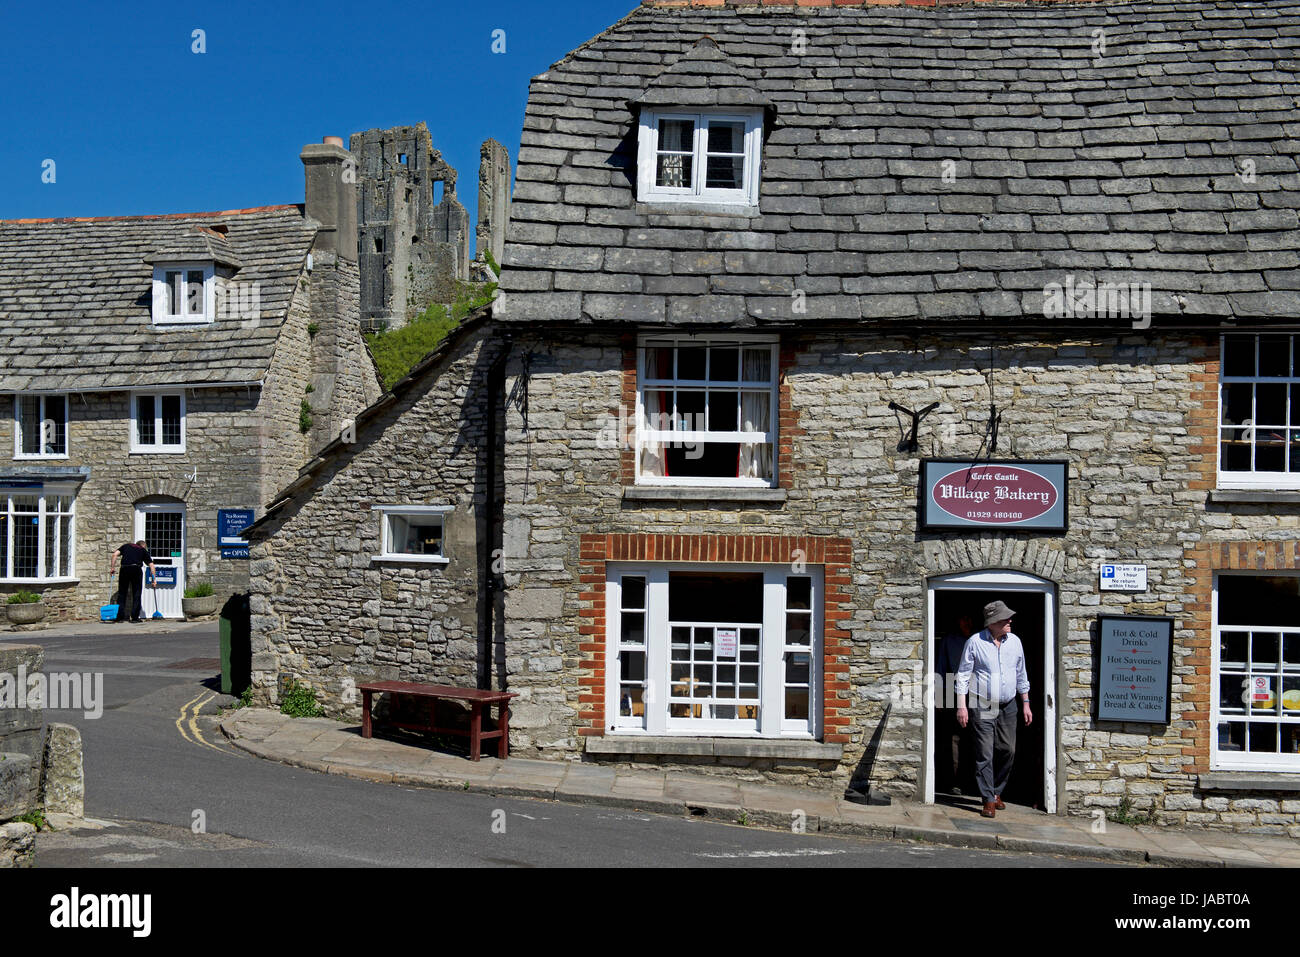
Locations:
{"points": [[150, 216]]}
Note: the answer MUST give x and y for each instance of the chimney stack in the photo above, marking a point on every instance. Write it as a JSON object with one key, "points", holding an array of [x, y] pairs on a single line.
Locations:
{"points": [[332, 195]]}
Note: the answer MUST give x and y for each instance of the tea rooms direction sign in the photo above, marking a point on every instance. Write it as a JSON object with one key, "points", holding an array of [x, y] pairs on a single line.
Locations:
{"points": [[1004, 496], [1134, 669]]}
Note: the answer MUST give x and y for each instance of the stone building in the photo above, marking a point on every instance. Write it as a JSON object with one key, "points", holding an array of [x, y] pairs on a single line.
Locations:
{"points": [[163, 369], [785, 288], [414, 241]]}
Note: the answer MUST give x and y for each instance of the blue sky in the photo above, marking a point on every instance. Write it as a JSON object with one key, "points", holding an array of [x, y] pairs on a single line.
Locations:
{"points": [[138, 123]]}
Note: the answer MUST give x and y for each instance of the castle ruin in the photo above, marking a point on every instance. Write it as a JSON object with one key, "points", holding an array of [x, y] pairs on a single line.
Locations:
{"points": [[413, 233]]}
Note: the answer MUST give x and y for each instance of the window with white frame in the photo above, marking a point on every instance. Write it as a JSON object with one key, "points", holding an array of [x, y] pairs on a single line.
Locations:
{"points": [[713, 650], [707, 411], [158, 422], [184, 292], [1256, 673], [700, 157], [412, 533], [1259, 411], [40, 426], [37, 537]]}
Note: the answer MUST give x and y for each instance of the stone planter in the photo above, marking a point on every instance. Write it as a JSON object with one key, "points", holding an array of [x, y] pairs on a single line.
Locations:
{"points": [[26, 613], [199, 607]]}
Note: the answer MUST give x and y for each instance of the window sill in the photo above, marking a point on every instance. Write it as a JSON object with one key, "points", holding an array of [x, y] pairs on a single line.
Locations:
{"points": [[684, 493], [160, 451], [40, 581], [42, 458], [1254, 496], [678, 207], [792, 749], [1249, 781], [411, 559]]}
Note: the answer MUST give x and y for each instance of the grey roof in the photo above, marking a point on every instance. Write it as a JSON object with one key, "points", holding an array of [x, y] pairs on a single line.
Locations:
{"points": [[704, 77], [196, 244], [76, 299], [1169, 158]]}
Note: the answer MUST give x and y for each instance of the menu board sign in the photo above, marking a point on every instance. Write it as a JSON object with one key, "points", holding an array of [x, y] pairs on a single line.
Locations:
{"points": [[1134, 669]]}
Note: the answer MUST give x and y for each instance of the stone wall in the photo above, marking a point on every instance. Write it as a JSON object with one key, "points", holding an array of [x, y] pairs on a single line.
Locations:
{"points": [[1131, 417], [21, 741], [323, 611], [220, 468]]}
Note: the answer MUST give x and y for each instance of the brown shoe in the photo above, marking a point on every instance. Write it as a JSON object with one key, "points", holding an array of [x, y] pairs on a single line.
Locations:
{"points": [[989, 810], [997, 803]]}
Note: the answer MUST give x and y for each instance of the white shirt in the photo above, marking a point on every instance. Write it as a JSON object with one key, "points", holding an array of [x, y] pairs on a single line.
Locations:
{"points": [[998, 669]]}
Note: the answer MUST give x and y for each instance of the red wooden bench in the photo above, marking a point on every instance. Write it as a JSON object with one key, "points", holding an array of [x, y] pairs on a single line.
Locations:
{"points": [[478, 700]]}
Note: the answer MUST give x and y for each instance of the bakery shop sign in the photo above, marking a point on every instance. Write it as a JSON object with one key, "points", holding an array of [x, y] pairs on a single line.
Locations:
{"points": [[1012, 496]]}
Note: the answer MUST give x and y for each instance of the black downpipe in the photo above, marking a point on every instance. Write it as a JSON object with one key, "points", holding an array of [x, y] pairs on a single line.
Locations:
{"points": [[491, 554]]}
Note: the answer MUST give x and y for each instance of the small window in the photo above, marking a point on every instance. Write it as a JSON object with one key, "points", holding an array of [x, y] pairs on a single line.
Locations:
{"points": [[40, 426], [158, 422], [707, 411], [183, 293], [700, 158], [413, 533]]}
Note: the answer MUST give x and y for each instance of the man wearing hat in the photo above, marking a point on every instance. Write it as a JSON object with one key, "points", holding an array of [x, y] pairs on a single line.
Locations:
{"points": [[995, 659]]}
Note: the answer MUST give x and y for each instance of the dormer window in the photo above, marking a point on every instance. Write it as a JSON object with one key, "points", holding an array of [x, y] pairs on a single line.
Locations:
{"points": [[700, 157], [183, 292]]}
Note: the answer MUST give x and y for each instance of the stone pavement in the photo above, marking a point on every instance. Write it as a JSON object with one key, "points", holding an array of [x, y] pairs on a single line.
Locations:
{"points": [[320, 744]]}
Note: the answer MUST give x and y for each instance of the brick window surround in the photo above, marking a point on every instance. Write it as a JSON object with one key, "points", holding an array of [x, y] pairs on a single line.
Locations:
{"points": [[835, 555], [787, 419]]}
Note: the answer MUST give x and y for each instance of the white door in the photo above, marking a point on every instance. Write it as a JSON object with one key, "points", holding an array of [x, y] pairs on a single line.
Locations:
{"points": [[163, 529], [1004, 581]]}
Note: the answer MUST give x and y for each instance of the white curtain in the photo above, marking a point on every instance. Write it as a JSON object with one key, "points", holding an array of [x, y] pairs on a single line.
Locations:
{"points": [[654, 415], [755, 416], [677, 136]]}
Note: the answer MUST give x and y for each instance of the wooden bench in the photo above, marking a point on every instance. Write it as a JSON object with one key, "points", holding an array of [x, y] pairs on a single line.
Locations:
{"points": [[477, 699]]}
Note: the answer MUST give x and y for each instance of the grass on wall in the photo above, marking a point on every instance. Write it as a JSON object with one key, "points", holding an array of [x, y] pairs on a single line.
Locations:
{"points": [[397, 352]]}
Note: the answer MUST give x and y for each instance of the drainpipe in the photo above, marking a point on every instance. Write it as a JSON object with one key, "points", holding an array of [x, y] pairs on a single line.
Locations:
{"points": [[491, 584]]}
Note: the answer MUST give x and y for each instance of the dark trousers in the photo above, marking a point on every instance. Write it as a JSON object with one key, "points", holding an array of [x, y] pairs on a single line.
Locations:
{"points": [[995, 747], [949, 751], [130, 588]]}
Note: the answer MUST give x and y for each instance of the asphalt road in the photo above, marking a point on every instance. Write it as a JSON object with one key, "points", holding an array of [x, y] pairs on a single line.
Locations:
{"points": [[149, 774]]}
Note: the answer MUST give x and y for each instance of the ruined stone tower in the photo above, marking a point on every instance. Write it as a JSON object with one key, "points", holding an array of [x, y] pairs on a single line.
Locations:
{"points": [[493, 201], [412, 247]]}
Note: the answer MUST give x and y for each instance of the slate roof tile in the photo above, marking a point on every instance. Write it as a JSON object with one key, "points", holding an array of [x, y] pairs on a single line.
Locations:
{"points": [[76, 298], [1059, 160]]}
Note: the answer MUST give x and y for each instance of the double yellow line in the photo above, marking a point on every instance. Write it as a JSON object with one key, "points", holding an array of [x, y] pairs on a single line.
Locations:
{"points": [[189, 717]]}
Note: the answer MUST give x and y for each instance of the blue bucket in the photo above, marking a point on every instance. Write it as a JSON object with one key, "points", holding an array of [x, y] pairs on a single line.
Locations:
{"points": [[108, 612]]}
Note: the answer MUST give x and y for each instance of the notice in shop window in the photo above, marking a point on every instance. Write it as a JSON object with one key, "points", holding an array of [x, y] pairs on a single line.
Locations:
{"points": [[727, 639]]}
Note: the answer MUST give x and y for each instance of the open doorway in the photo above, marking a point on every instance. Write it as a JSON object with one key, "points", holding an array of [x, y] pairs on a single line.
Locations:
{"points": [[953, 598]]}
